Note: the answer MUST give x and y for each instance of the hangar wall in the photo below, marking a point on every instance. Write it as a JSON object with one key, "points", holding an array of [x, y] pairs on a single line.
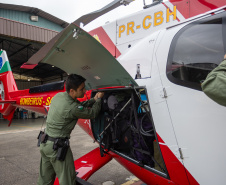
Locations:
{"points": [[24, 17], [29, 32]]}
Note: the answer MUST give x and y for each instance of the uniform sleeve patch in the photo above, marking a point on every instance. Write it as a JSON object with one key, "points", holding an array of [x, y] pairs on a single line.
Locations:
{"points": [[80, 107]]}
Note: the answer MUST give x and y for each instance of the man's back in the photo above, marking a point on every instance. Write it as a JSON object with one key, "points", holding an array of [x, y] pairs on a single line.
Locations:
{"points": [[60, 122]]}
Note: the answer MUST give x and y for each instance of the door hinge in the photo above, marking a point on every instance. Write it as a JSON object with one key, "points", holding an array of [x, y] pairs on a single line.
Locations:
{"points": [[181, 154], [163, 93]]}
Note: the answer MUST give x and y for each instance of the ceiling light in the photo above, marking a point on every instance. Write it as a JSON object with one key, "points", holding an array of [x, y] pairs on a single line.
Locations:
{"points": [[34, 18]]}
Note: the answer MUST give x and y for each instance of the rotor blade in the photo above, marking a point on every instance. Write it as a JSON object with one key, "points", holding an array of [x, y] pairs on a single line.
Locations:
{"points": [[85, 19]]}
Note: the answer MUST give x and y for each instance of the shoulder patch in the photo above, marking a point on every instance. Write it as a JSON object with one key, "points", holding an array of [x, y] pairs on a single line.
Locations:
{"points": [[80, 107]]}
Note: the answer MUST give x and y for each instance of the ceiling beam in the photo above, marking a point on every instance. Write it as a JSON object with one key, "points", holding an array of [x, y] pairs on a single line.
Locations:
{"points": [[19, 50]]}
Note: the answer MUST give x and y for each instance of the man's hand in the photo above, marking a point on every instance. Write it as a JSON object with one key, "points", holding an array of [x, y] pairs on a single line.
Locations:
{"points": [[225, 56], [98, 95]]}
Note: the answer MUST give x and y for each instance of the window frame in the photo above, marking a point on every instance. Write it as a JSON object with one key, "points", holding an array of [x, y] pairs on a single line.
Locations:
{"points": [[173, 45]]}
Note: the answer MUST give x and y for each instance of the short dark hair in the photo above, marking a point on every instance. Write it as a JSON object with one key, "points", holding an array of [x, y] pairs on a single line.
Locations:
{"points": [[73, 82]]}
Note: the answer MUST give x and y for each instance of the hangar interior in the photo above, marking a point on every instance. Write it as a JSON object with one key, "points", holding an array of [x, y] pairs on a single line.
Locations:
{"points": [[23, 31]]}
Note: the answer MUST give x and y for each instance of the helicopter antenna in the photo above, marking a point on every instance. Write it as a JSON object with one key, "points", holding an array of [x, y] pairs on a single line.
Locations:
{"points": [[144, 3], [86, 19]]}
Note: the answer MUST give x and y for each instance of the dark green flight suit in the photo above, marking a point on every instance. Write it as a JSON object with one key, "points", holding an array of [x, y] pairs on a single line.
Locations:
{"points": [[215, 84], [61, 120]]}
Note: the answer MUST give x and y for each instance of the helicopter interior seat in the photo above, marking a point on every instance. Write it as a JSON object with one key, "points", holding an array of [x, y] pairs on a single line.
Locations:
{"points": [[181, 73]]}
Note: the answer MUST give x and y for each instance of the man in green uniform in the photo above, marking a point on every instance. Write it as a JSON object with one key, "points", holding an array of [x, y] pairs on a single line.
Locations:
{"points": [[63, 114], [215, 84]]}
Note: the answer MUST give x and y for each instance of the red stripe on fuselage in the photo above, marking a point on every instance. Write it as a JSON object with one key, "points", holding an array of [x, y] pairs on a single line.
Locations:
{"points": [[190, 8], [177, 172], [171, 11], [105, 40]]}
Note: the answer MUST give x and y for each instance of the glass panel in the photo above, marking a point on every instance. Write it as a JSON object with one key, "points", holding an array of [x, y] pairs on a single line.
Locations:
{"points": [[201, 44], [196, 50]]}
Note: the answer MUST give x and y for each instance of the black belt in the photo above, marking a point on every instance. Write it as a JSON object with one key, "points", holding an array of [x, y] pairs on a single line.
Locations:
{"points": [[54, 139], [51, 138]]}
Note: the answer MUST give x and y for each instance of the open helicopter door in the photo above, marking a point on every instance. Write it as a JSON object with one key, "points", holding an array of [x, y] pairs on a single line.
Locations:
{"points": [[75, 51]]}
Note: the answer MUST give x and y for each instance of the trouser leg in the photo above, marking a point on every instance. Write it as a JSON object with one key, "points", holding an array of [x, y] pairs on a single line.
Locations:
{"points": [[46, 172], [65, 170]]}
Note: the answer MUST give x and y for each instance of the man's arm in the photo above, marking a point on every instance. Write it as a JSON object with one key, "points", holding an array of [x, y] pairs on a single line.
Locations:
{"points": [[79, 111], [90, 102], [82, 112], [215, 84]]}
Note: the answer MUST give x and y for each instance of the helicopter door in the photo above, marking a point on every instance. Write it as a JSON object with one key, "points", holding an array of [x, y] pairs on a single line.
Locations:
{"points": [[76, 51], [167, 140], [198, 122]]}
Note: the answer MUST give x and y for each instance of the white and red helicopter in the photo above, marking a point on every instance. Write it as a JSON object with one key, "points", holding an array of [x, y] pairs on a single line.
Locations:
{"points": [[158, 57]]}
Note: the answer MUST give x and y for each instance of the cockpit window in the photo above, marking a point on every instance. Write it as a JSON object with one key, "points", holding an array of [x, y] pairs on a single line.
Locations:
{"points": [[195, 51]]}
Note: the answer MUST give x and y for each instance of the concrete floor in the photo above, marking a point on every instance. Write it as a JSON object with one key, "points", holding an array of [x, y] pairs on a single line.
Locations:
{"points": [[20, 157]]}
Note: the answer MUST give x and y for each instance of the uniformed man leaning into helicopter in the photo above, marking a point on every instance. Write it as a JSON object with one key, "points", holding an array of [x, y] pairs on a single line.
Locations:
{"points": [[65, 110], [215, 84]]}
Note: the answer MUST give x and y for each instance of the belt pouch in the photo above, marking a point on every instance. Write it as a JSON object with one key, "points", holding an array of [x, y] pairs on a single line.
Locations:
{"points": [[62, 151], [44, 138], [39, 138]]}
